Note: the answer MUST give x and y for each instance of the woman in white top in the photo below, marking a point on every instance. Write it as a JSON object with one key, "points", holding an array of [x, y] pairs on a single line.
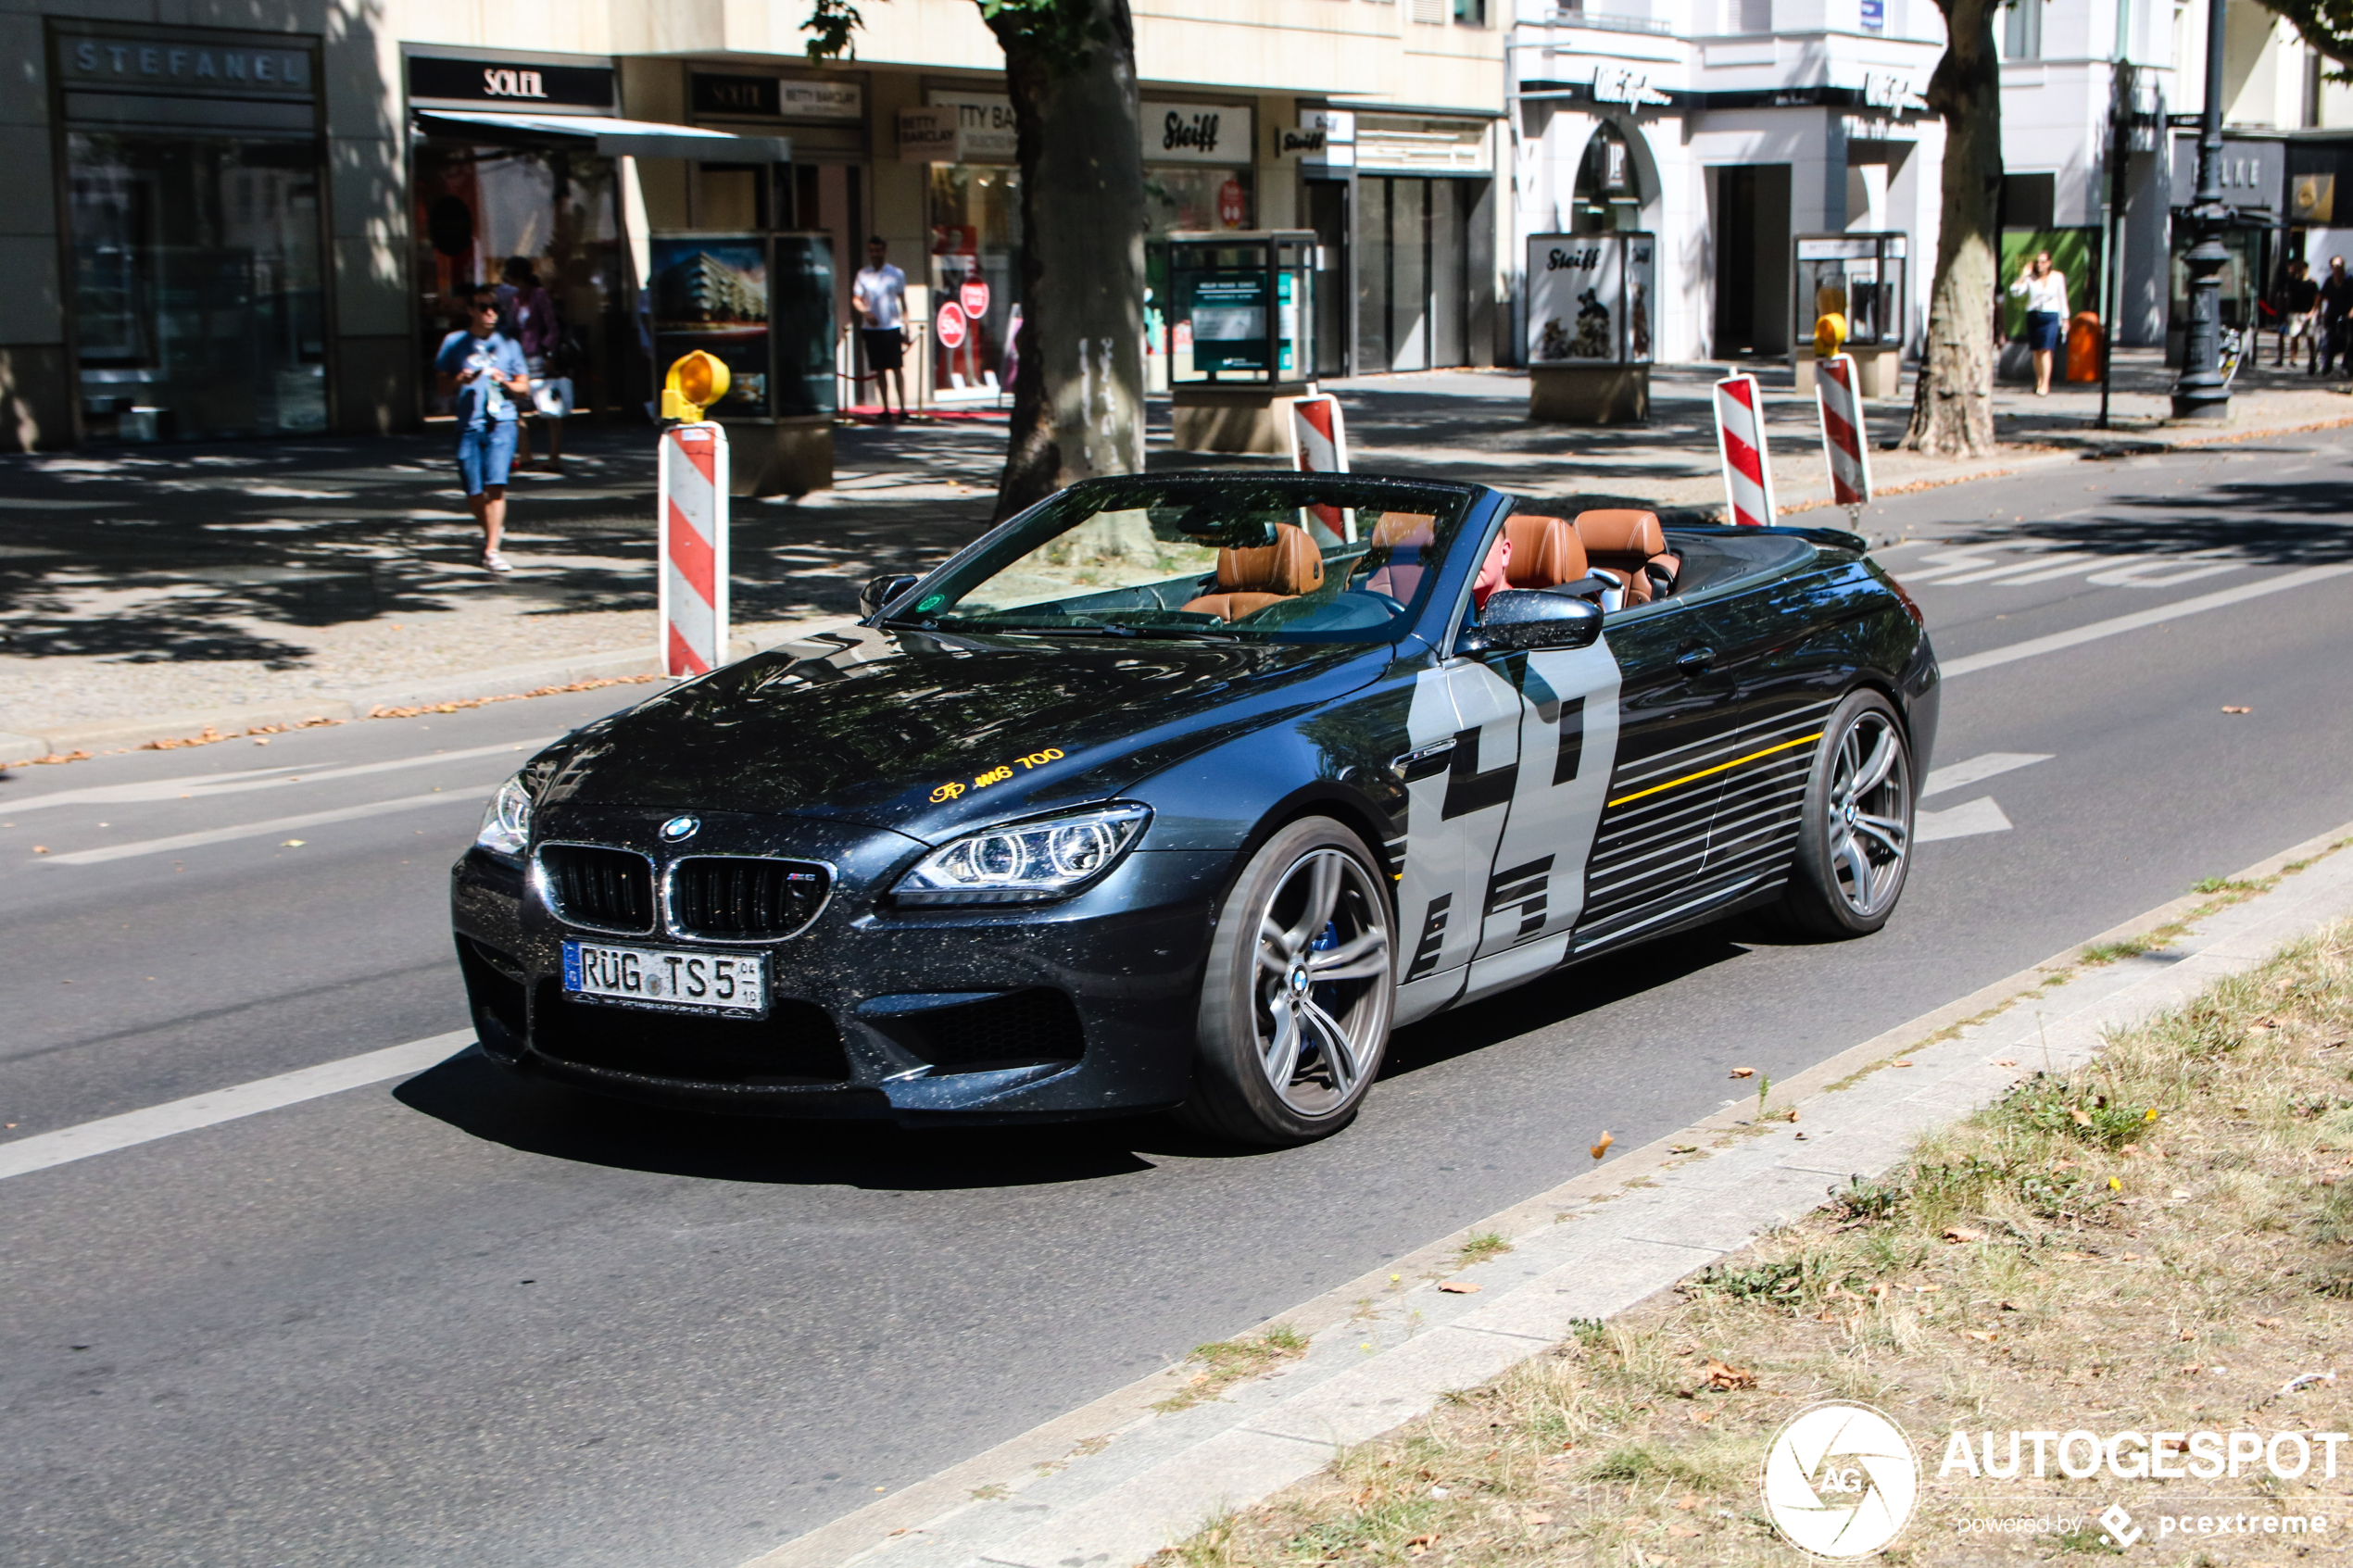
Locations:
{"points": [[2045, 287]]}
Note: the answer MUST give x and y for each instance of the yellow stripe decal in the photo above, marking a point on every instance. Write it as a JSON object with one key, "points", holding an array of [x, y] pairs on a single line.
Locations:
{"points": [[1720, 767]]}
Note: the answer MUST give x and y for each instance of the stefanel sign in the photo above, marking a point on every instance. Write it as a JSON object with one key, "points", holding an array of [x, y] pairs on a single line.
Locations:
{"points": [[184, 65]]}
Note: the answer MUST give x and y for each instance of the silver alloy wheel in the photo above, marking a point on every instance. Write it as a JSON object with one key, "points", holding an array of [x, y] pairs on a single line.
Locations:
{"points": [[1871, 814], [1322, 991]]}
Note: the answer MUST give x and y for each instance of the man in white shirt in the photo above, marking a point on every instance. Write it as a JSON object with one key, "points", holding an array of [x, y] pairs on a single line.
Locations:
{"points": [[2045, 287], [880, 297]]}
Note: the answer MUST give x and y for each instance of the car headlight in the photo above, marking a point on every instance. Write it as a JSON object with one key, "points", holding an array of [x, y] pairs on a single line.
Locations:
{"points": [[1026, 862], [505, 825]]}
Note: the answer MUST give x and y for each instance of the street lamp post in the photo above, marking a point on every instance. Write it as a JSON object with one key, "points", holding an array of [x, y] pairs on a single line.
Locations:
{"points": [[2202, 393]]}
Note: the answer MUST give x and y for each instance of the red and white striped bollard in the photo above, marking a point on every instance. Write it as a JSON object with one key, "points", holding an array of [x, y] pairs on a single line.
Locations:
{"points": [[693, 502], [1739, 442]]}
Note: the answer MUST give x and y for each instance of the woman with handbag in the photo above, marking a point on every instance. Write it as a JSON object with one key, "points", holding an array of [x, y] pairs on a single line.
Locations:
{"points": [[539, 330], [2045, 287]]}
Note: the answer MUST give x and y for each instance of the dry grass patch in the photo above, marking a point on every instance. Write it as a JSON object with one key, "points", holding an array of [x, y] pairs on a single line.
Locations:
{"points": [[1225, 1362], [2161, 1241]]}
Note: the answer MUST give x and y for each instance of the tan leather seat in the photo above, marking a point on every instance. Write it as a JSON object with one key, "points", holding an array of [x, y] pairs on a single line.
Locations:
{"points": [[1404, 535], [1625, 542], [1545, 552], [1252, 578]]}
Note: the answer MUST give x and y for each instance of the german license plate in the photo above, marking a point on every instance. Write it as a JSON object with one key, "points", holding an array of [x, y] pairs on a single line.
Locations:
{"points": [[735, 983]]}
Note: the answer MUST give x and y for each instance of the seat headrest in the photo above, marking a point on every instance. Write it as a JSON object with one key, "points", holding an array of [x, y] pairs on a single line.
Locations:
{"points": [[1291, 565], [1545, 552], [1403, 531], [1620, 531]]}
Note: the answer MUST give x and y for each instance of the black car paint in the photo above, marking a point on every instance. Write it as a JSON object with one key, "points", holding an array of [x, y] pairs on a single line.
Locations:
{"points": [[841, 752]]}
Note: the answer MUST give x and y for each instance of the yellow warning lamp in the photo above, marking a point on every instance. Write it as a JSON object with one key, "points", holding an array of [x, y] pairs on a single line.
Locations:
{"points": [[1830, 334], [695, 383]]}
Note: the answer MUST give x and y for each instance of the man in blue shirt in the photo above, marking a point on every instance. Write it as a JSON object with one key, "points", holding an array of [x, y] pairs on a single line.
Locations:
{"points": [[484, 369]]}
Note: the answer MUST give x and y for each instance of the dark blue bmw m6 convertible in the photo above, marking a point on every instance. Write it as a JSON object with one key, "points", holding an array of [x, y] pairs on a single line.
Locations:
{"points": [[1183, 791]]}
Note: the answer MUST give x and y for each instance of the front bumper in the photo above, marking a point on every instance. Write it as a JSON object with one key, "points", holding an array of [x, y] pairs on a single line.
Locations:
{"points": [[1060, 1010]]}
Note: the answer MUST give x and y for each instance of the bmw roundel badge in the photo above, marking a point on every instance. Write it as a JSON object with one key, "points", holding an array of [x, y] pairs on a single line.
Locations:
{"points": [[679, 828]]}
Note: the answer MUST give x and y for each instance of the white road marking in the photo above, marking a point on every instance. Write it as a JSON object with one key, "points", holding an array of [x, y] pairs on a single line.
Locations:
{"points": [[1965, 820], [203, 786], [132, 1127], [1970, 663], [1980, 768], [465, 795]]}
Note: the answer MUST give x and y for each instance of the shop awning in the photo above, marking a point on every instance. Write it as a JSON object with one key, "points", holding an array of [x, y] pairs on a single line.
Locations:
{"points": [[614, 138]]}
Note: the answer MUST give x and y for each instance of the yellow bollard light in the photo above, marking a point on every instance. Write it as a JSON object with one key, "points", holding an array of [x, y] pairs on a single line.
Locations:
{"points": [[1830, 334], [695, 383]]}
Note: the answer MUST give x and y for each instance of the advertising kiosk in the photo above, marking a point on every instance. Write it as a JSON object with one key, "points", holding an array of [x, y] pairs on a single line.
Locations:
{"points": [[1591, 303], [1861, 277], [1241, 328], [764, 306]]}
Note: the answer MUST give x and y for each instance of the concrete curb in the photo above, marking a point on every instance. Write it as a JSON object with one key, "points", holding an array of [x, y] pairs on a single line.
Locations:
{"points": [[1111, 1483], [507, 680]]}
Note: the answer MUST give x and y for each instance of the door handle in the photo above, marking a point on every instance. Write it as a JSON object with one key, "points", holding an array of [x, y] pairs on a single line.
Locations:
{"points": [[1692, 661]]}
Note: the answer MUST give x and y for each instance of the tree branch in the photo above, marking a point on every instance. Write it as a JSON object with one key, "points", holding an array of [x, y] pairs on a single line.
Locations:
{"points": [[2326, 25]]}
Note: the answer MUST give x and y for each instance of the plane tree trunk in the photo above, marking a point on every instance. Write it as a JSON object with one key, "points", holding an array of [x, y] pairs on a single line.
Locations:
{"points": [[1078, 386], [1953, 402]]}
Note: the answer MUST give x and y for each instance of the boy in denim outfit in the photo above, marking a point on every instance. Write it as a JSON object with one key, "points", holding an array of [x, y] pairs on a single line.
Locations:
{"points": [[483, 368]]}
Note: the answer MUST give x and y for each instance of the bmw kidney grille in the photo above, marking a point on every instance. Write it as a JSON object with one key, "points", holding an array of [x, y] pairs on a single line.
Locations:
{"points": [[742, 897]]}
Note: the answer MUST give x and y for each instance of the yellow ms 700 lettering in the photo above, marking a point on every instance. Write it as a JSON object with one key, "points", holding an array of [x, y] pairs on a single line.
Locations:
{"points": [[998, 775]]}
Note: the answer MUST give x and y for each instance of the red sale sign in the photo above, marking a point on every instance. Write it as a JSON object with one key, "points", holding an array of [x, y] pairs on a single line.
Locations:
{"points": [[974, 297], [950, 325], [1230, 204]]}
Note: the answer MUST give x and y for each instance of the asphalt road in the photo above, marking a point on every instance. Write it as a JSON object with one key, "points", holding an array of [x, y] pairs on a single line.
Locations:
{"points": [[456, 1318]]}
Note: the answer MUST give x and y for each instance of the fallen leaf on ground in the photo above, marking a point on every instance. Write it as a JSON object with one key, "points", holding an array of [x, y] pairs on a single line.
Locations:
{"points": [[1743, 1071], [1906, 1062], [2127, 1257], [1540, 1518], [1727, 1377], [1688, 1503], [1925, 1289], [1603, 1147], [1982, 1335], [1460, 1287], [2012, 1306], [41, 849], [2006, 1062], [2076, 1115], [2269, 1323], [1682, 1148], [2075, 1257], [2228, 708], [1682, 1531], [1961, 1233], [292, 843]]}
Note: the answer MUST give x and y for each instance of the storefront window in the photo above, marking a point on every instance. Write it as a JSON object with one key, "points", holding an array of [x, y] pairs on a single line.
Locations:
{"points": [[976, 240], [1197, 196], [1609, 191], [198, 295], [477, 207]]}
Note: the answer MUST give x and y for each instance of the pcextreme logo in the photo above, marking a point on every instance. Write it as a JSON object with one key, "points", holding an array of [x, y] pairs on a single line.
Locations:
{"points": [[1840, 1480]]}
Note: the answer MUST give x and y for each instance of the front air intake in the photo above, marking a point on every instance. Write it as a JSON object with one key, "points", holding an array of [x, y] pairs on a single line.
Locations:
{"points": [[606, 889], [745, 897]]}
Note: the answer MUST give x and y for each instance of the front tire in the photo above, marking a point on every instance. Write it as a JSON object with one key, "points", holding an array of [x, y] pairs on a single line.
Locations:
{"points": [[1296, 996], [1855, 839]]}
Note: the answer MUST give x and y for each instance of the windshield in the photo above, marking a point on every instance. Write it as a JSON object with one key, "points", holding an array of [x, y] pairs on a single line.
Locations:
{"points": [[1294, 560]]}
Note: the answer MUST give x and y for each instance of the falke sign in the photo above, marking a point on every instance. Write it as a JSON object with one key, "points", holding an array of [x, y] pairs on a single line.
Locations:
{"points": [[1197, 133], [548, 84]]}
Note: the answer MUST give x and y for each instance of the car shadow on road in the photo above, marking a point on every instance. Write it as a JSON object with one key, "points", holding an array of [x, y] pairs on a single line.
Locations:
{"points": [[534, 1116], [1560, 996], [476, 1096]]}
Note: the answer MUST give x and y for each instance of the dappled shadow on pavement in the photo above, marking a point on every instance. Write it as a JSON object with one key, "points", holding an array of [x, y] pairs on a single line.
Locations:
{"points": [[232, 553]]}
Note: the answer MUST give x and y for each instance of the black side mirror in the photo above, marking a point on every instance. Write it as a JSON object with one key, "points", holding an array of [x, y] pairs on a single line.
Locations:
{"points": [[876, 596], [1532, 618]]}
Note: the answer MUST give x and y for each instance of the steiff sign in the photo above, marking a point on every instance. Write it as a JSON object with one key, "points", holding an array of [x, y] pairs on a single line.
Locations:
{"points": [[1197, 133]]}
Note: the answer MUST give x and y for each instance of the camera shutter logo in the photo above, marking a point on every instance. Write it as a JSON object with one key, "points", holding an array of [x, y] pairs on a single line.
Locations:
{"points": [[1840, 1480]]}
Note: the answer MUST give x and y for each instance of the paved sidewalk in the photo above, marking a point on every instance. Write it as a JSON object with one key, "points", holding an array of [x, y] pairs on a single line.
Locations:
{"points": [[147, 592], [1109, 1485]]}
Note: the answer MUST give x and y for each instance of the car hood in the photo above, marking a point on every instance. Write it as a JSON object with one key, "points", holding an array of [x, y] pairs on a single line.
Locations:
{"points": [[928, 734]]}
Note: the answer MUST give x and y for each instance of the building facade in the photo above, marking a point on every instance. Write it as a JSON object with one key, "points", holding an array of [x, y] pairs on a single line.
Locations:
{"points": [[234, 229]]}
